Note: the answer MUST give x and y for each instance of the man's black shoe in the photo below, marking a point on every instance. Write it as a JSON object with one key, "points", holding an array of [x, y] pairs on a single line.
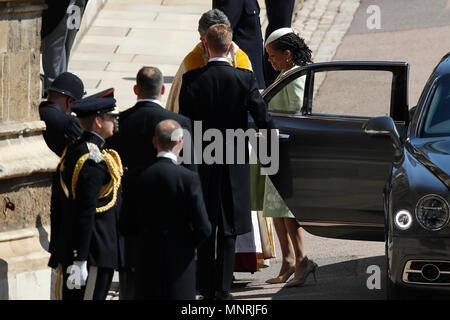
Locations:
{"points": [[223, 295]]}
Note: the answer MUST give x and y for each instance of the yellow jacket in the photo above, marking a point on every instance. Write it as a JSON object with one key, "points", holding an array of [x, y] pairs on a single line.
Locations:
{"points": [[198, 58]]}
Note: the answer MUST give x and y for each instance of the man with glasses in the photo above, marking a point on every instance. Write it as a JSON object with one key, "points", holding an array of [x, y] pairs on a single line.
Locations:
{"points": [[89, 179]]}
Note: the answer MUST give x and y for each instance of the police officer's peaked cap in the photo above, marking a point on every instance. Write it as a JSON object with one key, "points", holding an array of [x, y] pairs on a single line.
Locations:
{"points": [[95, 106], [108, 93], [68, 84]]}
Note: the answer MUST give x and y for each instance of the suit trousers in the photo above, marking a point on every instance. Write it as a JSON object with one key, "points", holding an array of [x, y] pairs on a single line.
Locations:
{"points": [[215, 262], [97, 286], [127, 284], [56, 46]]}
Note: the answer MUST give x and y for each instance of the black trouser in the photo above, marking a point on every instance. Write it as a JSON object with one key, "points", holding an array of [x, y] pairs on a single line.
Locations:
{"points": [[127, 284], [99, 279], [216, 274], [279, 15]]}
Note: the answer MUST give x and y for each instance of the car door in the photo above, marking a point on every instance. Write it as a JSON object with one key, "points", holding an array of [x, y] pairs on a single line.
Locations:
{"points": [[332, 174]]}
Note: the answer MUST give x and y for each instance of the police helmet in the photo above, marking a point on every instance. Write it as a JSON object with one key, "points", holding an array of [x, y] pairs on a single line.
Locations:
{"points": [[68, 84]]}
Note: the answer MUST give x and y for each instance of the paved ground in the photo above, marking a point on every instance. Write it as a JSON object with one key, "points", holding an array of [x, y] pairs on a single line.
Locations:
{"points": [[413, 31], [128, 34]]}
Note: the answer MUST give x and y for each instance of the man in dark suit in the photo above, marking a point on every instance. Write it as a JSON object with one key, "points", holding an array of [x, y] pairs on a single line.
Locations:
{"points": [[89, 180], [134, 144], [244, 18], [166, 202], [221, 96]]}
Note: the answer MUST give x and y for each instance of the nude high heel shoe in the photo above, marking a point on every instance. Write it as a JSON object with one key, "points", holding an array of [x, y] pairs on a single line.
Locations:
{"points": [[311, 267], [282, 278]]}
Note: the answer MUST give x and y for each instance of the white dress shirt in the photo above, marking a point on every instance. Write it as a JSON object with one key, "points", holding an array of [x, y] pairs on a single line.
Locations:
{"points": [[150, 100], [219, 59], [168, 155]]}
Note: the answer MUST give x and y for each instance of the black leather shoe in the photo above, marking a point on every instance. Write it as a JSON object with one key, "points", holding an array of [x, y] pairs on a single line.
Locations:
{"points": [[205, 298], [223, 295]]}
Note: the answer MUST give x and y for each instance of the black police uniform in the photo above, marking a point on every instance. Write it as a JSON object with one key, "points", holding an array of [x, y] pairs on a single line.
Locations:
{"points": [[89, 179], [61, 128]]}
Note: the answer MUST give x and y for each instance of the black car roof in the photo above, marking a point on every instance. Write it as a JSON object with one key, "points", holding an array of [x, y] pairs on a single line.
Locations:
{"points": [[444, 66]]}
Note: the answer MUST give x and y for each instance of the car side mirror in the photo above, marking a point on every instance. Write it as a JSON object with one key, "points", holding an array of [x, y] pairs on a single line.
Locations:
{"points": [[384, 126]]}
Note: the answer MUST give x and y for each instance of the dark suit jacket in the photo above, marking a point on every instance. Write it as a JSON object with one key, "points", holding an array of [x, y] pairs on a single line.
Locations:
{"points": [[134, 144], [137, 129], [221, 96], [246, 25], [86, 234], [166, 206]]}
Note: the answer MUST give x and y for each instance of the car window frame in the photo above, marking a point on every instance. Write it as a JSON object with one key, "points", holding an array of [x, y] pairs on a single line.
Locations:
{"points": [[426, 108], [399, 84]]}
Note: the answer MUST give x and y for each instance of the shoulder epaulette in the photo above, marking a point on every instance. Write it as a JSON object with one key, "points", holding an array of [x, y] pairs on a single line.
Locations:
{"points": [[94, 152]]}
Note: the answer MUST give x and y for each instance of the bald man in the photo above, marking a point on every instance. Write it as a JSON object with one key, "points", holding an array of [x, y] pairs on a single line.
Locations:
{"points": [[165, 202]]}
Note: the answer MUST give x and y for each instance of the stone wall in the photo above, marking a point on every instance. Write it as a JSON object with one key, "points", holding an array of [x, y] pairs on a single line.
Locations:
{"points": [[26, 164], [20, 25], [25, 161]]}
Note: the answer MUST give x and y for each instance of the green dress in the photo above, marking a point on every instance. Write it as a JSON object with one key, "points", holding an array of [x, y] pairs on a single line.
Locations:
{"points": [[289, 99]]}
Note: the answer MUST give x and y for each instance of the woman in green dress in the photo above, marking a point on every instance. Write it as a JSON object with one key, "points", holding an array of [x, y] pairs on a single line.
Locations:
{"points": [[287, 51]]}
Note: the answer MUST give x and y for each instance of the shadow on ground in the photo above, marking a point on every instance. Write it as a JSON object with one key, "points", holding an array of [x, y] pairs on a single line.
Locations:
{"points": [[343, 281]]}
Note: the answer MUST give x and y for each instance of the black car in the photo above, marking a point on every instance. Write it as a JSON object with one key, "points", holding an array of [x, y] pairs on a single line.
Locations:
{"points": [[356, 163]]}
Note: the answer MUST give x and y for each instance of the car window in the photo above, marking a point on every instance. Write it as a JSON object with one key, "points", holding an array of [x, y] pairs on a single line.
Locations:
{"points": [[364, 93], [437, 121]]}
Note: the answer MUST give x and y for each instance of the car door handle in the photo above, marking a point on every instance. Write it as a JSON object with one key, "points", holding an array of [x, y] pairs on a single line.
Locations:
{"points": [[284, 136]]}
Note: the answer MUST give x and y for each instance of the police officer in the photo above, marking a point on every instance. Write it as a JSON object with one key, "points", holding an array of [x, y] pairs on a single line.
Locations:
{"points": [[61, 126], [89, 180]]}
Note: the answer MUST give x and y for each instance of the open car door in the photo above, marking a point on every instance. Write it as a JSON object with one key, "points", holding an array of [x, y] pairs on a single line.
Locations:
{"points": [[332, 175]]}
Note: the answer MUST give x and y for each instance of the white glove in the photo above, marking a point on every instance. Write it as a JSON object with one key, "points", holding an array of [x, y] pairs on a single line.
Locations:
{"points": [[78, 275], [82, 265]]}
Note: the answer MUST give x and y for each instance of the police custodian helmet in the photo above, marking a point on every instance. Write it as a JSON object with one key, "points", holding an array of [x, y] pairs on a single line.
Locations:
{"points": [[68, 84]]}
